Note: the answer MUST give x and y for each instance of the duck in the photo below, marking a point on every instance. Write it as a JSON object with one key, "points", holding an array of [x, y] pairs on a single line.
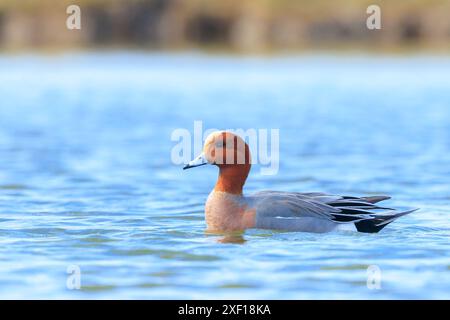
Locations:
{"points": [[227, 209]]}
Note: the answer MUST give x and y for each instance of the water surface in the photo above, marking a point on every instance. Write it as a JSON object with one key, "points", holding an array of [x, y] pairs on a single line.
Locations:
{"points": [[86, 177]]}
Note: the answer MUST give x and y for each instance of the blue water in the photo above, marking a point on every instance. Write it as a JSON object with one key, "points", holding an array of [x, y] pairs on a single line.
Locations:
{"points": [[86, 177]]}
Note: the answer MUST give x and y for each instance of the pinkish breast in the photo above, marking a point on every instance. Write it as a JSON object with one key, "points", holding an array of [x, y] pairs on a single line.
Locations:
{"points": [[227, 212]]}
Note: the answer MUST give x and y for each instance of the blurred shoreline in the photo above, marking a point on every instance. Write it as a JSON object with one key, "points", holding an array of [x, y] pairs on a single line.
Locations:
{"points": [[258, 27], [195, 51]]}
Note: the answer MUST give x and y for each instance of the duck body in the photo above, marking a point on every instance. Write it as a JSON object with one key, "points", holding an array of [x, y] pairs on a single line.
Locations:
{"points": [[295, 211], [228, 209]]}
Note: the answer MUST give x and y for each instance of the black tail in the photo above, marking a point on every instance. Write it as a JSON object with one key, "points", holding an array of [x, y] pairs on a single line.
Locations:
{"points": [[365, 213], [377, 223]]}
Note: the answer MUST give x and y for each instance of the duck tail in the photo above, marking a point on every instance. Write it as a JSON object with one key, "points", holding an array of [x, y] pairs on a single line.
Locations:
{"points": [[378, 222]]}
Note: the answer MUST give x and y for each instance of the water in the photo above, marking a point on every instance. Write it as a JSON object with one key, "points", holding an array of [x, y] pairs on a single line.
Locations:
{"points": [[86, 177]]}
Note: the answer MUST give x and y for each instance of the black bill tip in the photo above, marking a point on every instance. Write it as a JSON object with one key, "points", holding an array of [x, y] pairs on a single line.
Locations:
{"points": [[188, 166]]}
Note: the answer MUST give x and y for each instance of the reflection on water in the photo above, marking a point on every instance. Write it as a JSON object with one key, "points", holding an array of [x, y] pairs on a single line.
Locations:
{"points": [[86, 177], [231, 237]]}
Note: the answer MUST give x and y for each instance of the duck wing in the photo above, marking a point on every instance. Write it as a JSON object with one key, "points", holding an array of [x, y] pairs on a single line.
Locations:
{"points": [[291, 204]]}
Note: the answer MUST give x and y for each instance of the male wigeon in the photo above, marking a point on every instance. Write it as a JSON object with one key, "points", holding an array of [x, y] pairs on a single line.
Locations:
{"points": [[227, 209]]}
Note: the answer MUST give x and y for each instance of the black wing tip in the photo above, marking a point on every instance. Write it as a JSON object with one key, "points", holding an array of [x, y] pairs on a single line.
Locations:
{"points": [[376, 199], [377, 224]]}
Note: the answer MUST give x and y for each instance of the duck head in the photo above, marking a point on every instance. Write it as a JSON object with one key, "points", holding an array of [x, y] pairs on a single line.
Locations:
{"points": [[231, 154]]}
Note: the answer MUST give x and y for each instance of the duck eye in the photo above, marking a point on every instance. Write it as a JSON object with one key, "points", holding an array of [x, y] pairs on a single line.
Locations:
{"points": [[220, 144]]}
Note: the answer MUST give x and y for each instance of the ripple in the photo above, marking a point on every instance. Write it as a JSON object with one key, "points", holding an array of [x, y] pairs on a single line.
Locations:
{"points": [[346, 267], [150, 285], [237, 286], [97, 288], [13, 187], [98, 239], [167, 254]]}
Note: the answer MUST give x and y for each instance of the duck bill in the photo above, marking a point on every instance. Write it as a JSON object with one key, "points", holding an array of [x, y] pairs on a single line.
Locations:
{"points": [[197, 162]]}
